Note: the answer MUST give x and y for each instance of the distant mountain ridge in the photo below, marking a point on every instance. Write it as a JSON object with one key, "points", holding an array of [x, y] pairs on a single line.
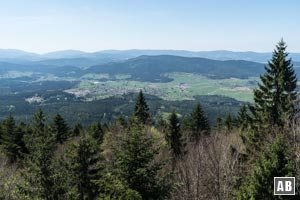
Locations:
{"points": [[146, 68], [154, 68], [117, 55]]}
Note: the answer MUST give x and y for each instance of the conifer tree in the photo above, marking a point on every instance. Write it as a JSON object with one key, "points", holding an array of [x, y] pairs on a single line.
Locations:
{"points": [[38, 170], [39, 123], [96, 132], [174, 135], [275, 162], [199, 123], [276, 93], [243, 119], [12, 141], [60, 129], [85, 168], [77, 129], [141, 109], [37, 132], [138, 167]]}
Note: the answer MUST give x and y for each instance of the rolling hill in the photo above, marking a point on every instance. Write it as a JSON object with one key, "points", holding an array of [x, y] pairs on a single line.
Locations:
{"points": [[18, 56], [154, 68]]}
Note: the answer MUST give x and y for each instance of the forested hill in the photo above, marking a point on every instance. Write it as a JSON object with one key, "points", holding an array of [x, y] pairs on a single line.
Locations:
{"points": [[153, 68]]}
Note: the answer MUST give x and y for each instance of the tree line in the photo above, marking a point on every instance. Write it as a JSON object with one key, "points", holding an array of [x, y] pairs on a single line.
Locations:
{"points": [[170, 158]]}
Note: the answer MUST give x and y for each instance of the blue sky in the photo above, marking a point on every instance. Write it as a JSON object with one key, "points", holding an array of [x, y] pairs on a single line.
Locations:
{"points": [[91, 25]]}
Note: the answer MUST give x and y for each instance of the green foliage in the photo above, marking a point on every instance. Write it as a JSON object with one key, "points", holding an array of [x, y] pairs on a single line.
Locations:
{"points": [[77, 129], [75, 110], [96, 132], [38, 171], [273, 101], [152, 68], [198, 123], [112, 188], [12, 139], [85, 168], [63, 185], [243, 119], [275, 162], [39, 123], [60, 129], [276, 93], [141, 109], [138, 167], [174, 135]]}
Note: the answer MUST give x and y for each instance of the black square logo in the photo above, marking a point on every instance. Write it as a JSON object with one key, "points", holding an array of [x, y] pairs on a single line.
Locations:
{"points": [[284, 185]]}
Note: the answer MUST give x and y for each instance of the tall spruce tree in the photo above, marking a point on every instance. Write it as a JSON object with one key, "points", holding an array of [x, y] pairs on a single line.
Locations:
{"points": [[12, 140], [199, 124], [39, 123], [85, 157], [276, 93], [60, 129], [37, 132], [38, 170], [97, 132], [174, 135], [137, 164], [141, 109]]}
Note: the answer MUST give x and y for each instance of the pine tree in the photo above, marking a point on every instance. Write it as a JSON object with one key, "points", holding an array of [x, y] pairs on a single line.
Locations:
{"points": [[63, 186], [39, 123], [38, 171], [96, 132], [60, 129], [85, 168], [243, 119], [276, 93], [274, 162], [12, 139], [138, 167], [199, 124], [37, 132], [141, 109], [77, 129], [174, 135]]}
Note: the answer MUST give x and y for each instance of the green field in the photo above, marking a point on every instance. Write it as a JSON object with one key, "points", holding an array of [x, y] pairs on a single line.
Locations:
{"points": [[184, 87]]}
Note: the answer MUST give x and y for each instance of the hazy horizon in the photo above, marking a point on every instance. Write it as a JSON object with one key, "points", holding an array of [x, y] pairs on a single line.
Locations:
{"points": [[190, 25], [102, 50]]}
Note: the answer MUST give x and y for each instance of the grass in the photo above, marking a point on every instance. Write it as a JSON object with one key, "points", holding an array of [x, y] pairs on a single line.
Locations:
{"points": [[184, 87]]}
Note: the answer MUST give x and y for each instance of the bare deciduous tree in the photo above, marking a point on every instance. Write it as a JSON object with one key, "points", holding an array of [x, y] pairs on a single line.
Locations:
{"points": [[210, 168]]}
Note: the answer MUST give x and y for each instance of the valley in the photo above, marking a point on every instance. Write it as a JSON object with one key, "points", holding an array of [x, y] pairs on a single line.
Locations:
{"points": [[76, 86]]}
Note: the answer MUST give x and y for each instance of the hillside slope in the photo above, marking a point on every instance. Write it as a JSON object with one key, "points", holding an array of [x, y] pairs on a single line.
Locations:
{"points": [[153, 68]]}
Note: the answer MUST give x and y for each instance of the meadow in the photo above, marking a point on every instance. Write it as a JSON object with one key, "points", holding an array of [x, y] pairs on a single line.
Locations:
{"points": [[184, 86]]}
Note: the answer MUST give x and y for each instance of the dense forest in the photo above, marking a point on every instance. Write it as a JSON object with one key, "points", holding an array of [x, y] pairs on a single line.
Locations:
{"points": [[142, 157]]}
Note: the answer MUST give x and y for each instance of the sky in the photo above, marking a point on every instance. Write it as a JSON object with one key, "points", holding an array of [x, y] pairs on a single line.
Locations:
{"points": [[91, 25]]}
